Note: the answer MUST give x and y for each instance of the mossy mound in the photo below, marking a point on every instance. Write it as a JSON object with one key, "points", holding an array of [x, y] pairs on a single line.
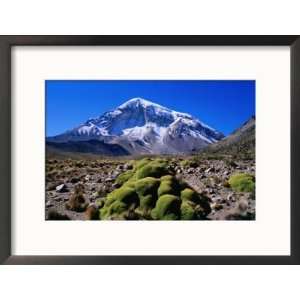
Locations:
{"points": [[149, 191], [123, 194], [146, 189], [196, 202], [118, 203], [124, 177], [242, 182], [141, 163], [143, 168], [189, 195], [169, 185], [187, 211], [152, 169], [167, 208]]}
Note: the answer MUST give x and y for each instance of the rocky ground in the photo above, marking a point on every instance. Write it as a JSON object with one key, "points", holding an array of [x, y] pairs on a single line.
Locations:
{"points": [[97, 178]]}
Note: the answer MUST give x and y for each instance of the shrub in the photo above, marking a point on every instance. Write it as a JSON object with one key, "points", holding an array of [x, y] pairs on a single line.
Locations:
{"points": [[242, 182], [167, 208]]}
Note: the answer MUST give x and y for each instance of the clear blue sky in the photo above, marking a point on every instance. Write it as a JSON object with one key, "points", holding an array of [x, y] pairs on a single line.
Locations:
{"points": [[221, 104]]}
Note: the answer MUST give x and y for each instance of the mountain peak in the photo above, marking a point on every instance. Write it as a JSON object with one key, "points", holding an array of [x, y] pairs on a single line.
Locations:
{"points": [[135, 102], [142, 126]]}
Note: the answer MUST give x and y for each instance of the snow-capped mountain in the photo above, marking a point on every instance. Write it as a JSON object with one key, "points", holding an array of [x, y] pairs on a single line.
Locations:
{"points": [[141, 126]]}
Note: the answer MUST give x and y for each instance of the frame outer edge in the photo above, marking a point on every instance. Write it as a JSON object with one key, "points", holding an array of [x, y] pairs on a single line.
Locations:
{"points": [[295, 150], [5, 150]]}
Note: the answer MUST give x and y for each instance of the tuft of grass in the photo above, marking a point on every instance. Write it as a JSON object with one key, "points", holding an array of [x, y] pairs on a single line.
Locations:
{"points": [[91, 213], [190, 163], [242, 182], [77, 201]]}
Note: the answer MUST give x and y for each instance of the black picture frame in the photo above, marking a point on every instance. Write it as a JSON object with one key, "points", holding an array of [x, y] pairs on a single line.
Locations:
{"points": [[6, 44]]}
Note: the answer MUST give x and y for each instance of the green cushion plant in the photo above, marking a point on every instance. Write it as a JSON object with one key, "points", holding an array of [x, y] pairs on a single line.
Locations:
{"points": [[242, 182], [167, 208]]}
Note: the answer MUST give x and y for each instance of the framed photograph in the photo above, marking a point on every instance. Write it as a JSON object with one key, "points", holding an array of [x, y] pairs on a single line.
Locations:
{"points": [[149, 149]]}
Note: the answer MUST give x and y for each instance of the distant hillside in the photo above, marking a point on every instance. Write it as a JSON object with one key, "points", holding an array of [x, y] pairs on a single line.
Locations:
{"points": [[91, 146], [240, 143]]}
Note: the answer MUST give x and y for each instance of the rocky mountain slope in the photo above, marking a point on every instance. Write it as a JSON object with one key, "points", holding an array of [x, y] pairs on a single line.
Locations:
{"points": [[240, 143], [143, 127]]}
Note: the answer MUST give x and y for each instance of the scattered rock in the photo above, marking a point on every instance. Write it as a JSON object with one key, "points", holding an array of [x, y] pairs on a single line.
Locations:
{"points": [[216, 206], [49, 204], [128, 166], [51, 186], [74, 180], [109, 179], [211, 169], [243, 205], [62, 188], [115, 185], [208, 177], [190, 170]]}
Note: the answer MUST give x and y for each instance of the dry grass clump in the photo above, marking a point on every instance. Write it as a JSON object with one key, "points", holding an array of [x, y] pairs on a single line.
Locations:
{"points": [[77, 201]]}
